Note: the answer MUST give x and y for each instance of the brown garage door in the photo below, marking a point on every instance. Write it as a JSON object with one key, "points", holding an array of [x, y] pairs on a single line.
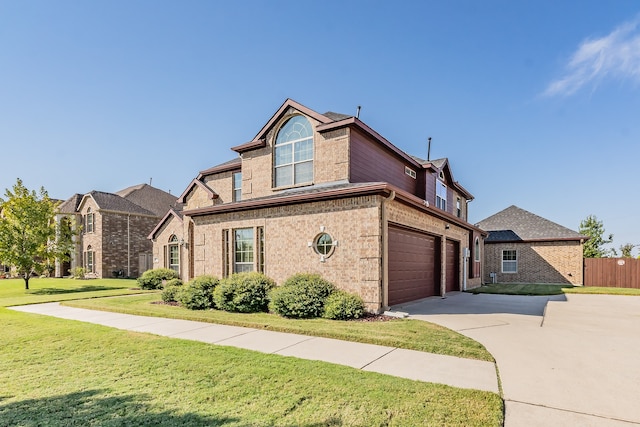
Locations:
{"points": [[412, 265], [453, 266]]}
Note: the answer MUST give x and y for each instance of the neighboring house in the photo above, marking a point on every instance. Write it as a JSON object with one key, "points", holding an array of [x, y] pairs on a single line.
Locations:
{"points": [[113, 229], [326, 194], [525, 248]]}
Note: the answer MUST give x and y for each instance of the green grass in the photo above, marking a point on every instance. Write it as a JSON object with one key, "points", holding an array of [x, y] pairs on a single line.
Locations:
{"points": [[548, 289], [12, 291], [520, 289], [60, 372], [401, 333], [602, 291]]}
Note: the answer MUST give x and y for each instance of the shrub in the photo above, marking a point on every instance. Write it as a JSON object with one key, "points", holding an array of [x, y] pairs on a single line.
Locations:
{"points": [[301, 296], [78, 273], [244, 293], [152, 279], [342, 305], [171, 289], [198, 293]]}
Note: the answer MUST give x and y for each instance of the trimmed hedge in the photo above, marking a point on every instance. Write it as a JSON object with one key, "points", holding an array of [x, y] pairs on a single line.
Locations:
{"points": [[152, 279], [302, 295], [198, 293], [243, 293], [171, 289], [342, 305]]}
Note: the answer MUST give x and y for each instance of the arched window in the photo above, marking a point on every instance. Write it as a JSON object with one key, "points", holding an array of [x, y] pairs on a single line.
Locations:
{"points": [[89, 258], [173, 253], [88, 221], [293, 153]]}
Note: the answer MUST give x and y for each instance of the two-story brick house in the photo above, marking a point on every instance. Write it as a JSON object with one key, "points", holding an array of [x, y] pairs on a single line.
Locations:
{"points": [[113, 229], [325, 193]]}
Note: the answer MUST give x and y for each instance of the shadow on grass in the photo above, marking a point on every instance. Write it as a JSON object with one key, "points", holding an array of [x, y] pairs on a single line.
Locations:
{"points": [[54, 291], [93, 407]]}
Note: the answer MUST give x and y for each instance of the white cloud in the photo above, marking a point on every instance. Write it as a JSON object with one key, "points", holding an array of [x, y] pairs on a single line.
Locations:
{"points": [[616, 55]]}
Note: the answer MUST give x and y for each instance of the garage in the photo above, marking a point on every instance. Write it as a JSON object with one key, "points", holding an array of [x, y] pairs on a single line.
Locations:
{"points": [[414, 265], [452, 281]]}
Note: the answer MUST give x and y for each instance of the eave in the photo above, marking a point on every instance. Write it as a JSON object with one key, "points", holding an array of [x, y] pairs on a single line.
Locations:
{"points": [[290, 199], [168, 215], [196, 182]]}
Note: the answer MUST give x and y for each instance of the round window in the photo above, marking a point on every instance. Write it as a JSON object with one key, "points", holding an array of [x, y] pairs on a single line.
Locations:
{"points": [[323, 244]]}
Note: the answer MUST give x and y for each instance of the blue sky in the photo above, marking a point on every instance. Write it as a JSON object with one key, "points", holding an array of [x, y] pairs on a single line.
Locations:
{"points": [[535, 103]]}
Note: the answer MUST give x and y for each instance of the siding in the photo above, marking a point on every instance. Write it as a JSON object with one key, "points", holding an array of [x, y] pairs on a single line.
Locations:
{"points": [[371, 162]]}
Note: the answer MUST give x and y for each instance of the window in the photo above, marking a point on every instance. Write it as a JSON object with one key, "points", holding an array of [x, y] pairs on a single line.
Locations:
{"points": [[261, 249], [293, 156], [243, 250], [441, 195], [458, 207], [410, 172], [89, 258], [88, 221], [237, 186], [323, 244], [476, 249], [174, 254], [509, 261]]}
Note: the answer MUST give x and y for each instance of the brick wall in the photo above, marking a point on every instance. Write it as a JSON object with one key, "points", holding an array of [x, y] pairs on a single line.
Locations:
{"points": [[331, 157], [124, 239], [93, 239], [173, 226], [538, 262], [354, 266]]}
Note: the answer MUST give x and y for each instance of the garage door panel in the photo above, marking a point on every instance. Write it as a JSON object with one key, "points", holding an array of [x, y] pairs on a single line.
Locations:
{"points": [[412, 265]]}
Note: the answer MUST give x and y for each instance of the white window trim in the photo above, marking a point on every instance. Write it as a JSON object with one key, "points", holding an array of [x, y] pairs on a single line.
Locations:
{"points": [[514, 262], [293, 162], [441, 199]]}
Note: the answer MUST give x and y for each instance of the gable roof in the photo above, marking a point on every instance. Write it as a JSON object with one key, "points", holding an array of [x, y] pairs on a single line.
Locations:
{"points": [[115, 203], [514, 224], [148, 197], [171, 214], [260, 141], [70, 205], [197, 183]]}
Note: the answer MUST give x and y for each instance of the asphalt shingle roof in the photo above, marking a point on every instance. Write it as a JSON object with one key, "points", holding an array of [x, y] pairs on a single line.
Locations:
{"points": [[70, 205], [515, 224], [114, 202], [149, 198]]}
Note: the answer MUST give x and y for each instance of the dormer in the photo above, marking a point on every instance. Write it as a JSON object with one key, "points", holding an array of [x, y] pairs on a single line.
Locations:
{"points": [[442, 191]]}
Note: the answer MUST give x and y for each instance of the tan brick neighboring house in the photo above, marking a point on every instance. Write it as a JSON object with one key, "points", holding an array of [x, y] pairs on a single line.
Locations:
{"points": [[325, 193], [525, 248], [114, 228]]}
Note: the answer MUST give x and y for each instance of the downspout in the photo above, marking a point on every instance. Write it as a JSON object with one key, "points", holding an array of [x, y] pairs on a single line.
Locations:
{"points": [[384, 283], [128, 246]]}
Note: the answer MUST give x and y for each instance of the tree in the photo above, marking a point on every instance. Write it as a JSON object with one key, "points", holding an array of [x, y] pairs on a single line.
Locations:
{"points": [[593, 248], [30, 239], [626, 250]]}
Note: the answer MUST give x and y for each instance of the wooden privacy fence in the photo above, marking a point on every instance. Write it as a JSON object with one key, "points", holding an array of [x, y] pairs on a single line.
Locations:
{"points": [[612, 272]]}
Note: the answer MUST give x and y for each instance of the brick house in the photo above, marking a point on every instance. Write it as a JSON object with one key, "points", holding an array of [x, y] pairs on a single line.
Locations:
{"points": [[525, 248], [112, 241], [325, 193]]}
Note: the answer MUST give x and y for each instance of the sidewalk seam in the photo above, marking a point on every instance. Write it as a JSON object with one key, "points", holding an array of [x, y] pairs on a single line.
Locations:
{"points": [[604, 417], [392, 349]]}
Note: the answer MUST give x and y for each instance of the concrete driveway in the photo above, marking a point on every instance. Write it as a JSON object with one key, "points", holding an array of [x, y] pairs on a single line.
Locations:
{"points": [[563, 361]]}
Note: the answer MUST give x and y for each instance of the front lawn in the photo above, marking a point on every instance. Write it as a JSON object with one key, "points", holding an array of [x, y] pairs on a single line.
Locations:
{"points": [[61, 372], [41, 290], [401, 333]]}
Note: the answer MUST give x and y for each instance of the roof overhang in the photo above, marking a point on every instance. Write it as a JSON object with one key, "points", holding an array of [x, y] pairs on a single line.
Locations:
{"points": [[168, 216], [197, 183]]}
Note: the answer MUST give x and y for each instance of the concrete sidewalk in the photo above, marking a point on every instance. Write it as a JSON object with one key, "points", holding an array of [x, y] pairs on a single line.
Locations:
{"points": [[415, 365]]}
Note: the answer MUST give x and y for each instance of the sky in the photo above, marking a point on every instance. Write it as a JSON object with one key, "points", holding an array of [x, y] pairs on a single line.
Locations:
{"points": [[535, 103]]}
